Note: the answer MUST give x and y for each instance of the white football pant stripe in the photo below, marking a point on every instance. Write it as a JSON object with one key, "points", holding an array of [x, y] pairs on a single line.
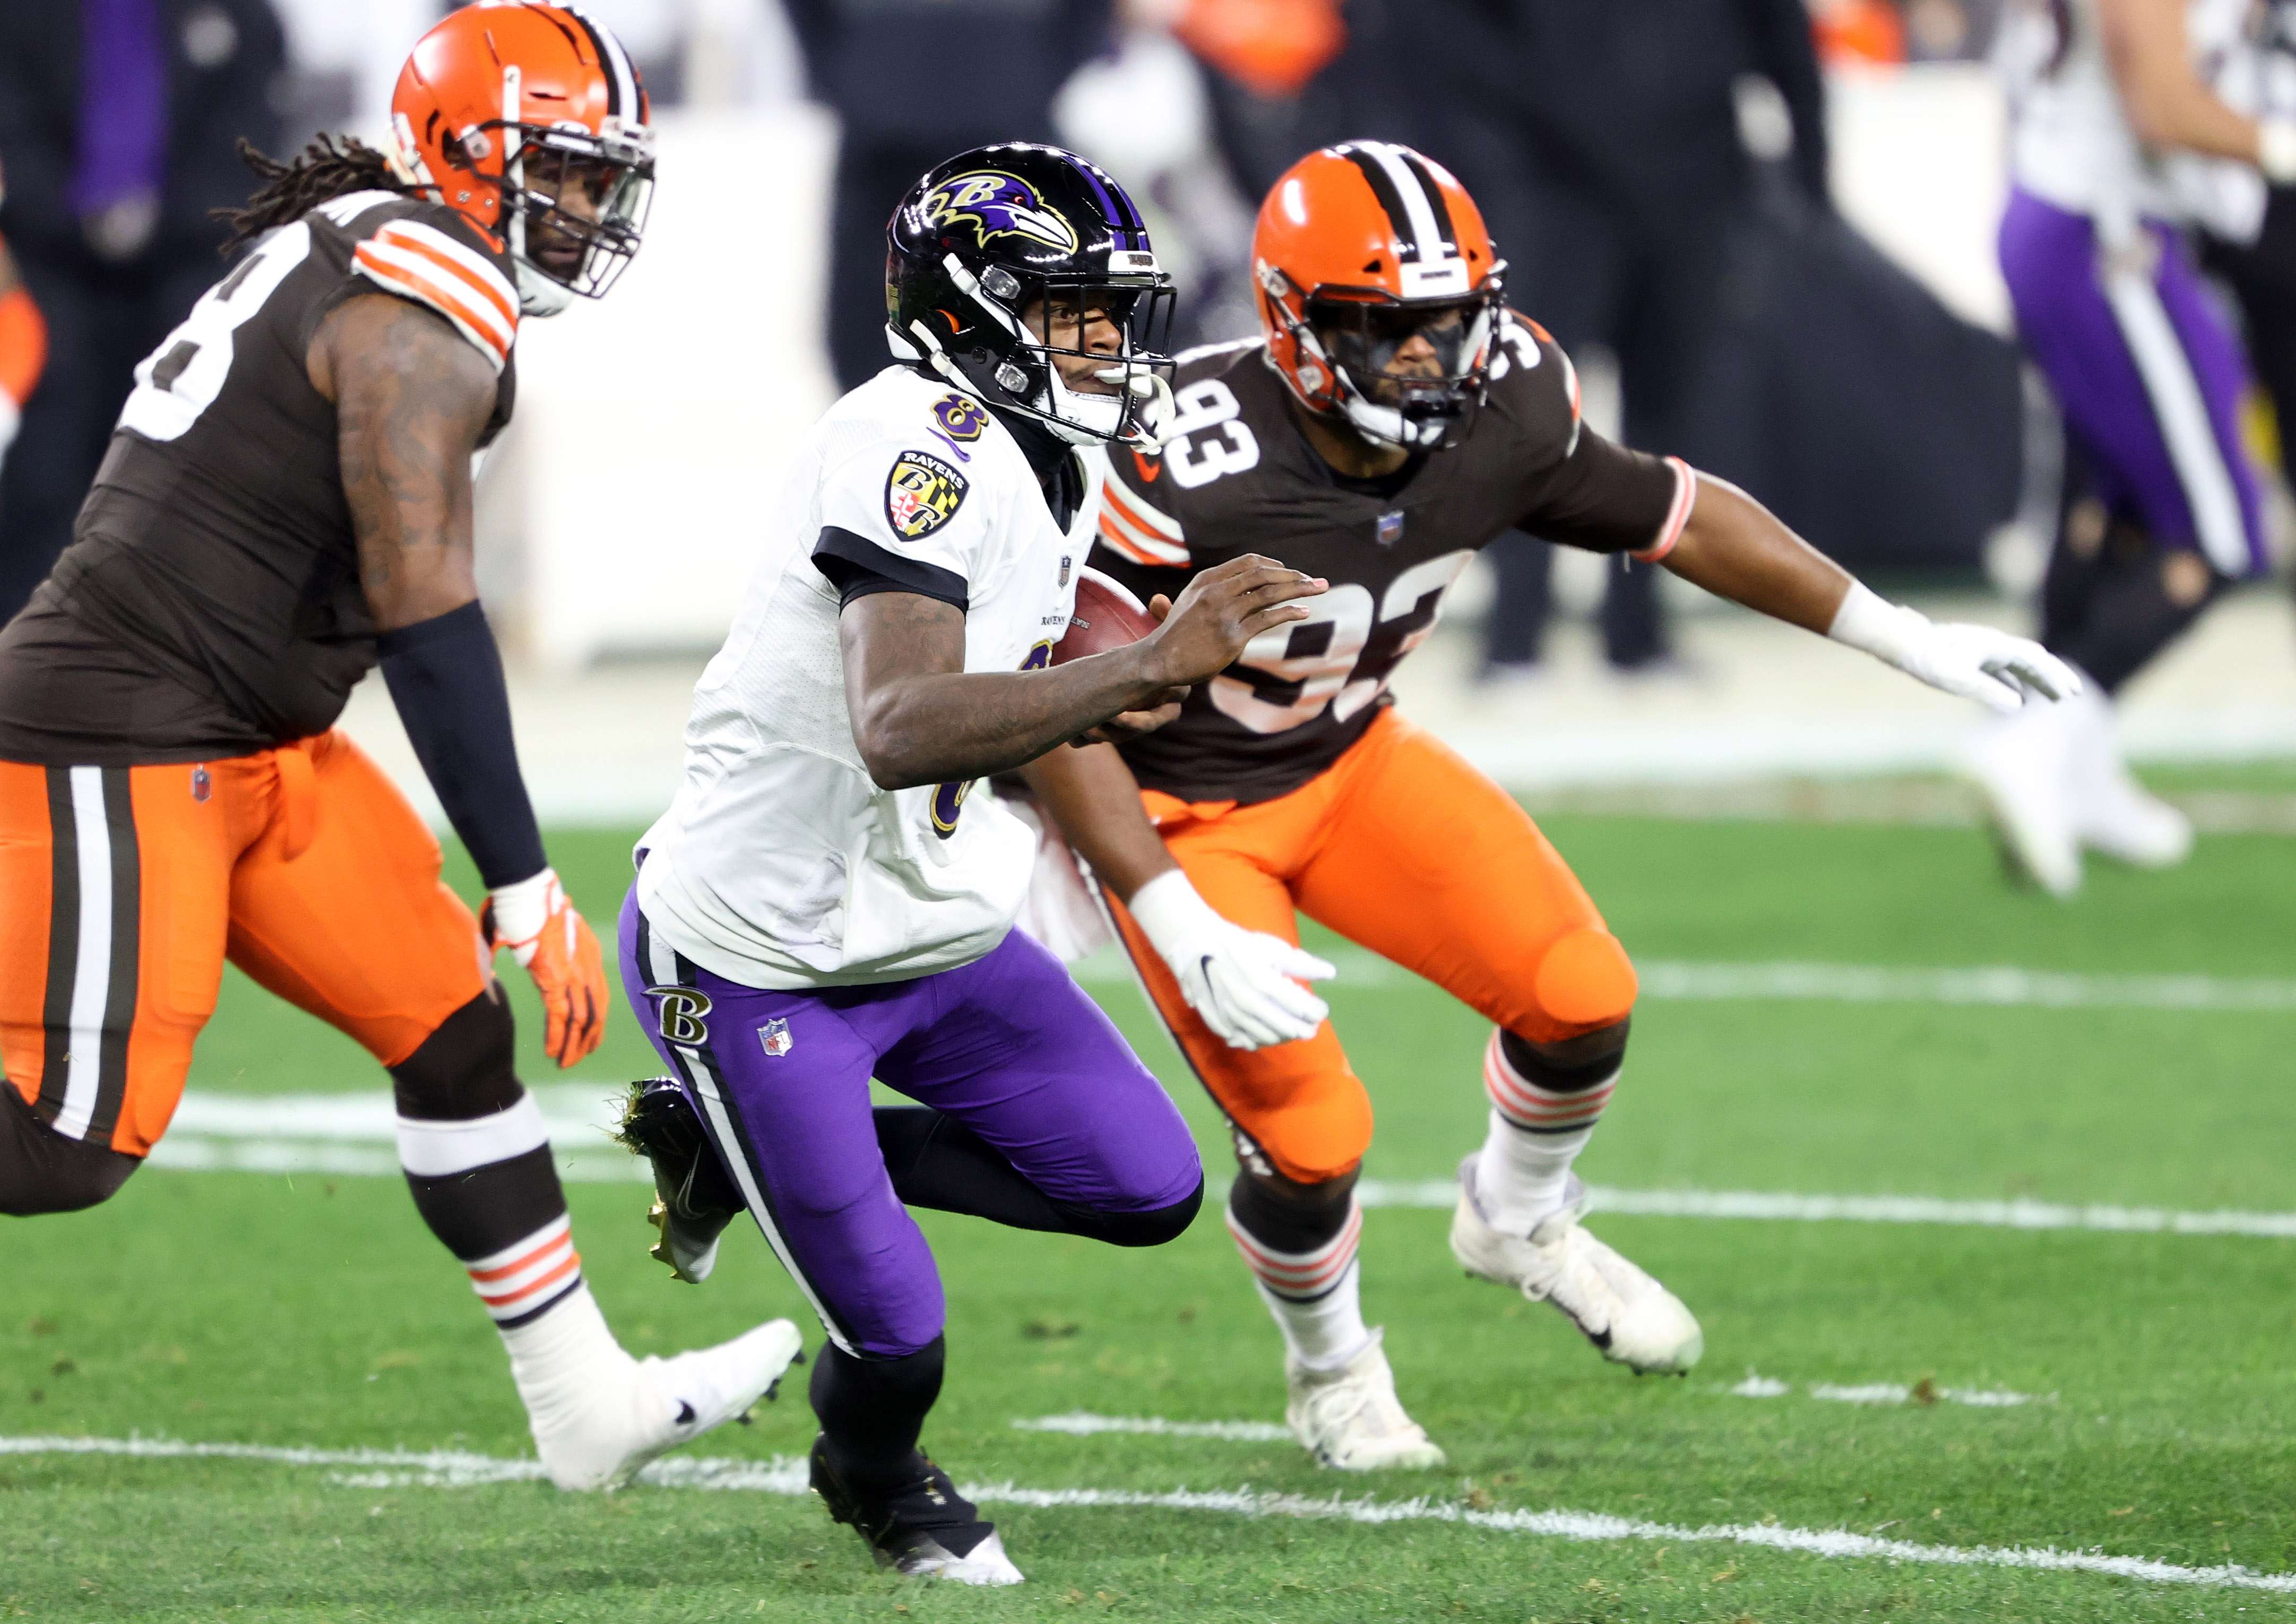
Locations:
{"points": [[92, 970], [2183, 417]]}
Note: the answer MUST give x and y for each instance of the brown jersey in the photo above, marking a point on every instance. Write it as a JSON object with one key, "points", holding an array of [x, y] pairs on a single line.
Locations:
{"points": [[209, 606], [1236, 475]]}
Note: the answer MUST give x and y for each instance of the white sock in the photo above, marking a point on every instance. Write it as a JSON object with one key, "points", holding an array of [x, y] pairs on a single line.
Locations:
{"points": [[1521, 1175], [557, 1359], [1314, 1296], [1324, 1332], [1534, 1136]]}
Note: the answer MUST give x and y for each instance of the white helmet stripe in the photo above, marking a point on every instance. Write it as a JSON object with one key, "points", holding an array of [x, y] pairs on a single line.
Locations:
{"points": [[621, 78], [1426, 234]]}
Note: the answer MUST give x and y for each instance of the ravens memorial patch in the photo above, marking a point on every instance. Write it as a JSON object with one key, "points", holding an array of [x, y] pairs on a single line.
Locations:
{"points": [[922, 494]]}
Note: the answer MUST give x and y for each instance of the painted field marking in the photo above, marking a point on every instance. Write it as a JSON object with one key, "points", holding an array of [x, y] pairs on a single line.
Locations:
{"points": [[1759, 1386], [1999, 986], [1083, 1423], [353, 1134], [786, 1475], [2020, 1214]]}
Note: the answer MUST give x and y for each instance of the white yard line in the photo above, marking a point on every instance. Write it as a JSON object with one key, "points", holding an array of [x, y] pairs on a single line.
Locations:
{"points": [[352, 1134], [786, 1475], [2001, 986], [1083, 1423], [1759, 1386]]}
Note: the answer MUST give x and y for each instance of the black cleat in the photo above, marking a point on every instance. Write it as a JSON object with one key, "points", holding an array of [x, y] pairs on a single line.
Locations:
{"points": [[924, 1529], [696, 1199]]}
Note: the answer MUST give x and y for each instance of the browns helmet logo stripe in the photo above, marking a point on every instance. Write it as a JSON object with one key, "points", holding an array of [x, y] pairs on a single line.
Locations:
{"points": [[1399, 178], [624, 96]]}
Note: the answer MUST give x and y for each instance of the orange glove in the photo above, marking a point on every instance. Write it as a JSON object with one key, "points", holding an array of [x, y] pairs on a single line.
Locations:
{"points": [[557, 947]]}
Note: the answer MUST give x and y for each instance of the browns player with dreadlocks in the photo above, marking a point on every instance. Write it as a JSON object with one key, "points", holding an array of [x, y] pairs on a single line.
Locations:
{"points": [[286, 502], [1393, 418]]}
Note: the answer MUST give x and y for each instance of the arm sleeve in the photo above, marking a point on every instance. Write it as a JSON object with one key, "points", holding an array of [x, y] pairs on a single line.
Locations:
{"points": [[445, 677], [897, 518]]}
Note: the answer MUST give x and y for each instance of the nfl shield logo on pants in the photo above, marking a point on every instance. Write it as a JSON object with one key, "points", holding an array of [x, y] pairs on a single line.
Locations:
{"points": [[775, 1036]]}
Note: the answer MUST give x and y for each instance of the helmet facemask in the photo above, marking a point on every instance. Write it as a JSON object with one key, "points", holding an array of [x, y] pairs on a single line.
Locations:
{"points": [[1408, 373], [562, 247], [1049, 318]]}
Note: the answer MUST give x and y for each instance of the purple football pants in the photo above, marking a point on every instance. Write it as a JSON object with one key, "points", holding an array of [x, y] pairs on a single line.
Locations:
{"points": [[2127, 379], [1008, 1044]]}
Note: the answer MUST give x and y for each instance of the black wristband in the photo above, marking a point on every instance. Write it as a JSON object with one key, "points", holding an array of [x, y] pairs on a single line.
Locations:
{"points": [[446, 676]]}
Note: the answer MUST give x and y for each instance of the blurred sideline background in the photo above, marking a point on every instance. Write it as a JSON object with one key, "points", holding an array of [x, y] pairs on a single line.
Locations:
{"points": [[1861, 378]]}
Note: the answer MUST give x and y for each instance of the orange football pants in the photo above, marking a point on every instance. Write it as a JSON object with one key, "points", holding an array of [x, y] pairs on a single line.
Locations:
{"points": [[123, 890], [1404, 849]]}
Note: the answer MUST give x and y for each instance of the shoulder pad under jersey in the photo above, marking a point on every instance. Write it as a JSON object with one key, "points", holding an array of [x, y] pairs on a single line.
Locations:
{"points": [[425, 252], [1533, 378]]}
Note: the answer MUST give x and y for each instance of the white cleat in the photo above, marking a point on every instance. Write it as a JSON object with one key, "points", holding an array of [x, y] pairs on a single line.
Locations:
{"points": [[598, 1435], [1349, 1418], [985, 1564], [1630, 1317], [2023, 766], [2112, 812]]}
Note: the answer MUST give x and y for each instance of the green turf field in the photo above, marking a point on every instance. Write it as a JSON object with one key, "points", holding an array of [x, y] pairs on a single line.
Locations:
{"points": [[314, 1311]]}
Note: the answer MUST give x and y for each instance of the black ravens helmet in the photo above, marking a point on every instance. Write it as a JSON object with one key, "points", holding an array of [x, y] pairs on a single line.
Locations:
{"points": [[988, 254]]}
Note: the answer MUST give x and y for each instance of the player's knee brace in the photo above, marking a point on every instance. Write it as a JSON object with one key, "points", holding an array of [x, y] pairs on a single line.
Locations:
{"points": [[44, 1171], [463, 1070], [871, 1409], [1585, 979], [1571, 1066], [1290, 1218]]}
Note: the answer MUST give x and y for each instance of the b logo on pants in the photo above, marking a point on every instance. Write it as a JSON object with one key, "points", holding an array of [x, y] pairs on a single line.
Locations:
{"points": [[682, 1009]]}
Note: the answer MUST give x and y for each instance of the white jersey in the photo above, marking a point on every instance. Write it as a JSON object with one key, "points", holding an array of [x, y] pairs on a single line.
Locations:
{"points": [[780, 864], [2074, 145]]}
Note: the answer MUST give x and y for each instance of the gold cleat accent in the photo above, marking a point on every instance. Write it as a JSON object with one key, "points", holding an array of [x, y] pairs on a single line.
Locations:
{"points": [[657, 1215]]}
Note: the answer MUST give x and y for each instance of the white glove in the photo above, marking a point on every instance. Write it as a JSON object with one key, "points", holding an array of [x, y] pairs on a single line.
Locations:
{"points": [[1245, 984], [1975, 662]]}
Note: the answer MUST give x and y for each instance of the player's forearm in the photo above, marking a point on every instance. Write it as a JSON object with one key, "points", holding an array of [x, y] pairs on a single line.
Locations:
{"points": [[2167, 102], [1735, 548], [919, 716], [943, 727], [446, 679], [1093, 797]]}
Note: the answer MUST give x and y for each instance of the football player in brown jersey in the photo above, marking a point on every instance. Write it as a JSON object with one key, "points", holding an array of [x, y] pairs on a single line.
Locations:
{"points": [[287, 501], [1393, 418]]}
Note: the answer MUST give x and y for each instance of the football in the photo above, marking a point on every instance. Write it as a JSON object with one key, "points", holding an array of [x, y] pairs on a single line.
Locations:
{"points": [[1106, 617]]}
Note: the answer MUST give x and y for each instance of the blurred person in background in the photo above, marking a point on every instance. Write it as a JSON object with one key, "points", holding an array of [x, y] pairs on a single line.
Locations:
{"points": [[993, 67], [1602, 141], [23, 349], [2111, 118], [2251, 243], [118, 126]]}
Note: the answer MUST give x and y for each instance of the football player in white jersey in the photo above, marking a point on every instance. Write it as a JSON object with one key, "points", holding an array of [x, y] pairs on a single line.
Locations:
{"points": [[2120, 144], [824, 903]]}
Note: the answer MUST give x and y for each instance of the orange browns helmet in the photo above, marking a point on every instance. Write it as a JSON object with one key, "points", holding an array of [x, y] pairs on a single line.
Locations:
{"points": [[1360, 250], [531, 120]]}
